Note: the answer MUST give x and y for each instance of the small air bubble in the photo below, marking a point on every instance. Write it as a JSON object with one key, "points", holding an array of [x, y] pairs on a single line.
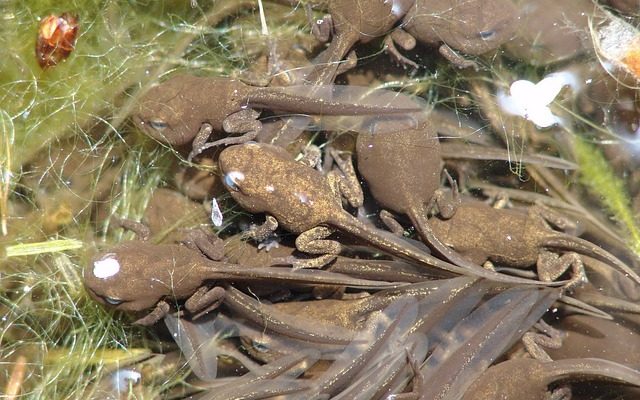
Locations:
{"points": [[216, 213]]}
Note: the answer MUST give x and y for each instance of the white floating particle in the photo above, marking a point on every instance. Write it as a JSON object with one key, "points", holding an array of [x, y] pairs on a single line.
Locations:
{"points": [[216, 213], [531, 100], [106, 267], [122, 379]]}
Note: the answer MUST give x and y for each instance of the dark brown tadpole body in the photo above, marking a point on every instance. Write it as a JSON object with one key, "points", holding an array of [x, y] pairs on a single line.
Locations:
{"points": [[472, 27], [355, 21], [588, 336], [175, 111], [402, 168], [527, 378], [138, 275], [552, 31]]}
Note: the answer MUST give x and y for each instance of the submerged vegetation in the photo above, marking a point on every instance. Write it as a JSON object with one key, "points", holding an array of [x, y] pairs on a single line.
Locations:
{"points": [[70, 159]]}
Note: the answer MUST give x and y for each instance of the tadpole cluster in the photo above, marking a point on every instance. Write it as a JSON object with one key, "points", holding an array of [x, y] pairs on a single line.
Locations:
{"points": [[401, 210]]}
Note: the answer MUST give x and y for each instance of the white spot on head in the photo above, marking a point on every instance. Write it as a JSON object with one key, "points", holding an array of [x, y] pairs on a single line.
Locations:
{"points": [[270, 188], [106, 267]]}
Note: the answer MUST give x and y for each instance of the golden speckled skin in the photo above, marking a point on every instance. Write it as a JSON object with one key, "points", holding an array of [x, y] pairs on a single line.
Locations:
{"points": [[265, 179], [299, 197], [513, 237], [482, 233]]}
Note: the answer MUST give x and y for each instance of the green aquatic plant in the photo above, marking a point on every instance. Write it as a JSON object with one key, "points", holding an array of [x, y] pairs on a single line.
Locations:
{"points": [[597, 175], [68, 343], [55, 342]]}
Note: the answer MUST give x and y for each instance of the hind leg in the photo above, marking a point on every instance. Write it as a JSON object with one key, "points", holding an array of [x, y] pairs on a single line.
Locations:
{"points": [[550, 267]]}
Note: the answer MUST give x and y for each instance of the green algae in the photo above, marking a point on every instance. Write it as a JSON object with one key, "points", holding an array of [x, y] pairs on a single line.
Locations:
{"points": [[597, 175]]}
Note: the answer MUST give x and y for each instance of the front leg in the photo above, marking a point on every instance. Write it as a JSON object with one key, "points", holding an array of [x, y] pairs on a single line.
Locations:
{"points": [[206, 242], [500, 201], [446, 205], [244, 122], [200, 140], [391, 223], [159, 312], [312, 242], [551, 338], [205, 300], [262, 232], [347, 183], [311, 156], [558, 220], [141, 231], [320, 28], [403, 39], [456, 59]]}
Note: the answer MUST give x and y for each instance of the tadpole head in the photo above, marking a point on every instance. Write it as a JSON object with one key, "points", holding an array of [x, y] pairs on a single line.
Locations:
{"points": [[167, 114], [115, 279]]}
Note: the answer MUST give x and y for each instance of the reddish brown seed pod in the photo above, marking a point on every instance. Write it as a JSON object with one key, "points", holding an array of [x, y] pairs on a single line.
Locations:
{"points": [[56, 39]]}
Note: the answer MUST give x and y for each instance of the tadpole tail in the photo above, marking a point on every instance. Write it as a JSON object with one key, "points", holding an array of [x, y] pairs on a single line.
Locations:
{"points": [[590, 369], [563, 241], [283, 99], [396, 246], [271, 318], [327, 63]]}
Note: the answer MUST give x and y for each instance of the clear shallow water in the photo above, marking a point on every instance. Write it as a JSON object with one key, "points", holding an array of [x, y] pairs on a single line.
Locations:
{"points": [[66, 171]]}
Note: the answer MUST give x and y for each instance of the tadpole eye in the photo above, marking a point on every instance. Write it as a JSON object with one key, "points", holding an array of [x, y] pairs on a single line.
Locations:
{"points": [[158, 125], [259, 346], [232, 180], [487, 35], [112, 301]]}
